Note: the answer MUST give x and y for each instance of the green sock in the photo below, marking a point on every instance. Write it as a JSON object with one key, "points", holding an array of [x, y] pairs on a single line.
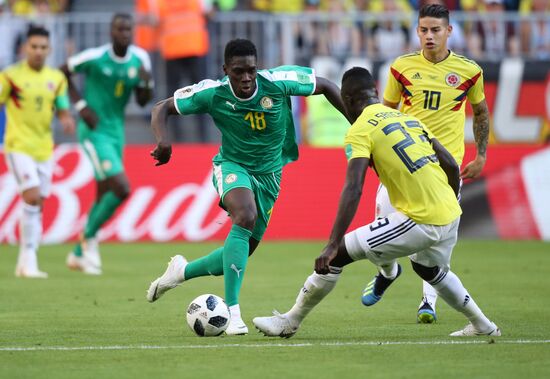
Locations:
{"points": [[78, 249], [211, 264], [106, 207], [235, 257]]}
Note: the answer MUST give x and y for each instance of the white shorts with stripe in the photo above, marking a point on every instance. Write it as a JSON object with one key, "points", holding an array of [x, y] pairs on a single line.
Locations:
{"points": [[395, 236], [30, 173]]}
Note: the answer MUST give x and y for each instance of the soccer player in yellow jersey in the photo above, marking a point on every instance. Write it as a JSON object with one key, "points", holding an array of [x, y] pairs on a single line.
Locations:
{"points": [[31, 91], [433, 85], [422, 179]]}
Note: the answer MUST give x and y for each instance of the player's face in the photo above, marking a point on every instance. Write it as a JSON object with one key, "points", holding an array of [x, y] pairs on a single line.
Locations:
{"points": [[242, 75], [37, 49], [122, 30], [433, 34]]}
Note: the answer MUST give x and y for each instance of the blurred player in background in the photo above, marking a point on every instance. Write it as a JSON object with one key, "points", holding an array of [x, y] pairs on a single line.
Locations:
{"points": [[112, 72], [432, 85], [32, 92], [422, 179], [252, 110]]}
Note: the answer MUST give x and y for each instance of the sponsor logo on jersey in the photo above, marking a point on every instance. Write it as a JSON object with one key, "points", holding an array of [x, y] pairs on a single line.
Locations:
{"points": [[266, 102], [232, 105], [107, 165], [132, 72], [230, 178], [452, 79], [107, 71], [416, 76]]}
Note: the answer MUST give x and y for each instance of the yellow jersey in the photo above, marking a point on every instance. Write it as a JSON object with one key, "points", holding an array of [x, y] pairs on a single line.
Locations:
{"points": [[30, 97], [435, 93], [403, 157]]}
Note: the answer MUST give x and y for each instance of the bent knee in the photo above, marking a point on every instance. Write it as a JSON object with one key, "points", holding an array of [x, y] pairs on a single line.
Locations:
{"points": [[426, 273], [245, 218]]}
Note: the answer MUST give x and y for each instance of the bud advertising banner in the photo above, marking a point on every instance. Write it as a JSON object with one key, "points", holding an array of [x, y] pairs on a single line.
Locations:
{"points": [[177, 201]]}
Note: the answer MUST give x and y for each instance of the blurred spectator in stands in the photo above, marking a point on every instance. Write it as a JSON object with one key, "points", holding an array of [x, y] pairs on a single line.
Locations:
{"points": [[278, 6], [339, 39], [456, 41], [535, 36], [307, 33], [178, 29], [493, 38], [37, 7], [389, 39]]}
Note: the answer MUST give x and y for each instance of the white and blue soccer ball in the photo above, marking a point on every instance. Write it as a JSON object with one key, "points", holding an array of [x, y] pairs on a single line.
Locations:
{"points": [[208, 315]]}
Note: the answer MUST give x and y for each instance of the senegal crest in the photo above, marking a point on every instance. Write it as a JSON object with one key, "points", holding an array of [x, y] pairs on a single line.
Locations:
{"points": [[266, 102]]}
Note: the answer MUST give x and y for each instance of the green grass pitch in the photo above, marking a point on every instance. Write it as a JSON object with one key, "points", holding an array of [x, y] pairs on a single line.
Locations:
{"points": [[76, 326]]}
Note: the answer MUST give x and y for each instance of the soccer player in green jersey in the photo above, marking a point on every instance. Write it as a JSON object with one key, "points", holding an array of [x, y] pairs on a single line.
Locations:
{"points": [[422, 179], [112, 72], [251, 108]]}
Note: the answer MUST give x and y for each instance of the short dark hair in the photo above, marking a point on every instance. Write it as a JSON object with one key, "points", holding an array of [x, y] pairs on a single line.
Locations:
{"points": [[239, 48], [435, 11], [361, 77], [126, 16], [37, 30]]}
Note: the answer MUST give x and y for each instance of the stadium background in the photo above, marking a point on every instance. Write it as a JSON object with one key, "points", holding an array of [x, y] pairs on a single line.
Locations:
{"points": [[177, 202]]}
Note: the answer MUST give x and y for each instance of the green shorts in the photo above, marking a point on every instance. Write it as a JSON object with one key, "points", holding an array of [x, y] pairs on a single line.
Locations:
{"points": [[229, 175], [104, 154]]}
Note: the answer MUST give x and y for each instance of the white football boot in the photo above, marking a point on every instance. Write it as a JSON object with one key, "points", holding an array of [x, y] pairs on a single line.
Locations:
{"points": [[277, 325], [172, 277], [90, 249], [27, 266], [470, 331], [82, 264], [236, 327]]}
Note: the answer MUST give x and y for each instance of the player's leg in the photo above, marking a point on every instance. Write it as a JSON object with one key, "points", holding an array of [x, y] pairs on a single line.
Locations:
{"points": [[33, 179], [432, 265]]}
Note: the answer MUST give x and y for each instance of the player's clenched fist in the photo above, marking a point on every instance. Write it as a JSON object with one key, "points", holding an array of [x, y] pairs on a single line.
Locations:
{"points": [[162, 153]]}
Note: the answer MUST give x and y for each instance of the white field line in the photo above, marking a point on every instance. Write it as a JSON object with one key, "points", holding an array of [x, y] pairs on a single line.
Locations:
{"points": [[272, 345]]}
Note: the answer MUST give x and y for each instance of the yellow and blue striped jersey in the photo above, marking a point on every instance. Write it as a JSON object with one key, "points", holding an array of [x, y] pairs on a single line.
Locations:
{"points": [[435, 93], [399, 148], [31, 97]]}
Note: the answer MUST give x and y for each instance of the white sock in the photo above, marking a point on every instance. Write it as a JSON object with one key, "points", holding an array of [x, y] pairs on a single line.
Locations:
{"points": [[235, 311], [30, 230], [450, 288], [429, 295], [389, 271], [315, 288]]}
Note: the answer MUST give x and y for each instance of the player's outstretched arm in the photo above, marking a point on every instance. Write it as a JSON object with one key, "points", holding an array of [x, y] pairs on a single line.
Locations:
{"points": [[349, 201], [159, 118], [85, 112], [332, 93], [448, 164], [481, 136], [144, 91], [66, 120]]}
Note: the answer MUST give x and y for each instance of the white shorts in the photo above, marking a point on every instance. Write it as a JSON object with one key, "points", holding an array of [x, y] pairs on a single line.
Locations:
{"points": [[30, 173], [395, 236]]}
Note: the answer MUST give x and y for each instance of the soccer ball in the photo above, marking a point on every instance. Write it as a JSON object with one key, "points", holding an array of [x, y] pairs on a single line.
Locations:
{"points": [[208, 315]]}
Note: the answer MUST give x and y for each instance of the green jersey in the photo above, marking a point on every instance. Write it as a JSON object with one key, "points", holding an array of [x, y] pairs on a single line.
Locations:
{"points": [[258, 132], [109, 83]]}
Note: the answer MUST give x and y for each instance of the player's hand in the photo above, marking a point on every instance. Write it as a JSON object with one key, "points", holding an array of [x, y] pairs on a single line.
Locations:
{"points": [[144, 75], [473, 169], [89, 117], [162, 153], [67, 122], [327, 255]]}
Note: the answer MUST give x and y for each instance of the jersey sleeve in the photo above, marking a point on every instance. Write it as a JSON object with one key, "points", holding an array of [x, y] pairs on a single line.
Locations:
{"points": [[476, 94], [357, 143], [392, 93], [5, 88], [294, 80], [61, 96], [82, 61], [195, 98]]}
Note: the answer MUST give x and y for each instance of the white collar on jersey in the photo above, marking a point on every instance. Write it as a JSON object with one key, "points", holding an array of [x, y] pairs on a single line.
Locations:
{"points": [[241, 99], [118, 59]]}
